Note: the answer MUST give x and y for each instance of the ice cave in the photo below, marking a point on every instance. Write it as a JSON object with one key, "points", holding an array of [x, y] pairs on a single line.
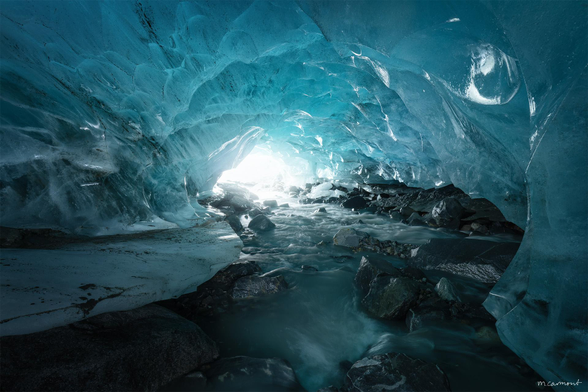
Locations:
{"points": [[305, 195]]}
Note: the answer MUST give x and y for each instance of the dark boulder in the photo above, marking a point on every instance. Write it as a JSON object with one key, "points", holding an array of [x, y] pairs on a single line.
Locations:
{"points": [[414, 273], [261, 223], [416, 220], [140, 349], [256, 286], [447, 213], [320, 210], [484, 261], [239, 203], [406, 211], [270, 203], [370, 268], [483, 209], [395, 215], [235, 223], [396, 372], [254, 212], [349, 237], [479, 228], [252, 374], [391, 298], [446, 290], [356, 202], [212, 296], [430, 312]]}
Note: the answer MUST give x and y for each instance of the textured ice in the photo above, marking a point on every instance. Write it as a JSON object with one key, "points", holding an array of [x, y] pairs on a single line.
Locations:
{"points": [[115, 113], [46, 288]]}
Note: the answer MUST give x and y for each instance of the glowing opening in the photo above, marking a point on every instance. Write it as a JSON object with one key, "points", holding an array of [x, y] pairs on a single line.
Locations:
{"points": [[260, 167]]}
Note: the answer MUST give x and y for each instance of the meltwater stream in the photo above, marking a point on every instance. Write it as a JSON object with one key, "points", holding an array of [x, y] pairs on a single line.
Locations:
{"points": [[318, 324]]}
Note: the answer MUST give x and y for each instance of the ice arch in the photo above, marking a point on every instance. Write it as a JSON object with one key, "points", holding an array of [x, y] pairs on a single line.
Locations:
{"points": [[119, 112]]}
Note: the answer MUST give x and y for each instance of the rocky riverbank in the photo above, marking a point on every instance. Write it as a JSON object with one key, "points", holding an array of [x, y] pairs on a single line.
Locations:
{"points": [[399, 311]]}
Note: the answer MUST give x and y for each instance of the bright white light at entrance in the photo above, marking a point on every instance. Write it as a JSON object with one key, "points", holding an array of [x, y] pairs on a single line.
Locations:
{"points": [[259, 167]]}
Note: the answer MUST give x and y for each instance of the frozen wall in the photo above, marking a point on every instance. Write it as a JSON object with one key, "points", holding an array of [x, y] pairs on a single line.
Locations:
{"points": [[119, 112], [113, 112]]}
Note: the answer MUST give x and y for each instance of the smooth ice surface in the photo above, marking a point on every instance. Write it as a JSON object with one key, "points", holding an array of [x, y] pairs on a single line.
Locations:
{"points": [[114, 113], [46, 288]]}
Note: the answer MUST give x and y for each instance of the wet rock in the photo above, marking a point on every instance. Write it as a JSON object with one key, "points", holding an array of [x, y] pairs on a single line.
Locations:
{"points": [[414, 273], [487, 335], [249, 238], [256, 286], [140, 349], [261, 223], [483, 209], [446, 290], [212, 296], [270, 203], [356, 203], [235, 223], [254, 212], [420, 318], [285, 205], [349, 237], [390, 297], [447, 213], [320, 210], [391, 248], [226, 277], [416, 220], [396, 216], [479, 228], [484, 261], [252, 374], [406, 211], [397, 372], [370, 268], [430, 312], [239, 203], [466, 228]]}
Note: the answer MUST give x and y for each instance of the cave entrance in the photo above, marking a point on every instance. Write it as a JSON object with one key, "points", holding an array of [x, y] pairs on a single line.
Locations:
{"points": [[266, 170]]}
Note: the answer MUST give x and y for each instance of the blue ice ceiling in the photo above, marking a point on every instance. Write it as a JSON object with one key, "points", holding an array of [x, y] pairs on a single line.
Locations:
{"points": [[140, 105], [119, 112]]}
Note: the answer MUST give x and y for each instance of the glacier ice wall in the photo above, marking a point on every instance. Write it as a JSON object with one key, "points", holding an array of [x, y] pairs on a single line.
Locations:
{"points": [[114, 113]]}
